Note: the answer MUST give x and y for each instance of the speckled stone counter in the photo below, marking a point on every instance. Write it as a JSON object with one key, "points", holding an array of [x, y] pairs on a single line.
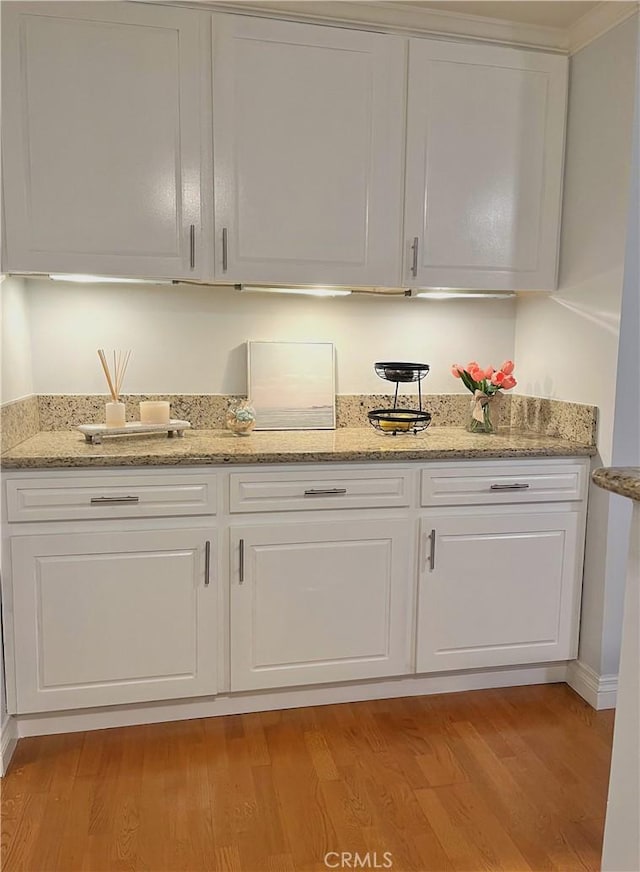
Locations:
{"points": [[60, 449], [623, 480]]}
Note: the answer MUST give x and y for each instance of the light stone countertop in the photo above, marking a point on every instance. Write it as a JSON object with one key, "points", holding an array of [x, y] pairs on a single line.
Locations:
{"points": [[623, 480], [68, 449]]}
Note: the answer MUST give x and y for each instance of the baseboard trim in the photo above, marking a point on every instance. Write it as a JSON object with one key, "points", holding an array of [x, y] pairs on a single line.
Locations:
{"points": [[241, 703], [8, 742], [600, 691]]}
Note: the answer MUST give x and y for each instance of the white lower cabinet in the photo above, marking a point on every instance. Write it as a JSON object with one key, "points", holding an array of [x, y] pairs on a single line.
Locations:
{"points": [[320, 602], [131, 605], [108, 618], [498, 590]]}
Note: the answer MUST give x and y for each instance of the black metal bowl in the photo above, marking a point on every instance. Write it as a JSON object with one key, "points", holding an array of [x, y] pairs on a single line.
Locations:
{"points": [[392, 421], [401, 372]]}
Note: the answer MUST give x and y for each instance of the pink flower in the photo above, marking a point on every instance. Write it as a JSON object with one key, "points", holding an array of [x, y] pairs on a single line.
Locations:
{"points": [[473, 365], [509, 382], [498, 378], [485, 373], [455, 370], [476, 373], [507, 367]]}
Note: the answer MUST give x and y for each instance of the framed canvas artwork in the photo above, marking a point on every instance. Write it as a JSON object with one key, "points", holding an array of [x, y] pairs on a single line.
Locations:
{"points": [[291, 385]]}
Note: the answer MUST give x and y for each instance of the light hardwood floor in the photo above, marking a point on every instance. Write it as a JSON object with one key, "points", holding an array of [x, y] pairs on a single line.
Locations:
{"points": [[486, 780]]}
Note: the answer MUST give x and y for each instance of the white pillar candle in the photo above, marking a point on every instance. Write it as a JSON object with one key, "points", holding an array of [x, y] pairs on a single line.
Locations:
{"points": [[114, 414], [154, 412]]}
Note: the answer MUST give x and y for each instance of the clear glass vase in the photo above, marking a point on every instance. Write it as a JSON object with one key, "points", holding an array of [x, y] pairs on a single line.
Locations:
{"points": [[241, 418], [481, 417]]}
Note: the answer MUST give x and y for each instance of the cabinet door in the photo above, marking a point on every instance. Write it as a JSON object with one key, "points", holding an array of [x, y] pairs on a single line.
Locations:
{"points": [[107, 618], [101, 138], [308, 153], [485, 147], [498, 590], [320, 602]]}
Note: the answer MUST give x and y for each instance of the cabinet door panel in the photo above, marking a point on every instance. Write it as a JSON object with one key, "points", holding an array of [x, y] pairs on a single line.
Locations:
{"points": [[484, 165], [308, 139], [502, 590], [107, 618], [320, 602], [101, 138]]}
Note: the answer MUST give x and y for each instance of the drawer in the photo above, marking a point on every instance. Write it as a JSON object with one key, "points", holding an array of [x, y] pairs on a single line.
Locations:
{"points": [[293, 491], [496, 484], [117, 496]]}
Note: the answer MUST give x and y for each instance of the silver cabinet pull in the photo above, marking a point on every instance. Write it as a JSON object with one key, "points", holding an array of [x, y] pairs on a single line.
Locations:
{"points": [[113, 501], [207, 563], [515, 486], [241, 559], [225, 249], [414, 263], [323, 492], [192, 246], [432, 551]]}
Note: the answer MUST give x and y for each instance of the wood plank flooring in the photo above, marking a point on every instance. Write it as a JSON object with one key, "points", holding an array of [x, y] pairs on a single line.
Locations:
{"points": [[486, 780]]}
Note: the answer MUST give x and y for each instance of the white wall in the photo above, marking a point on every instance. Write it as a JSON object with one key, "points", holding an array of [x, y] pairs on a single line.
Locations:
{"points": [[567, 344], [15, 360], [188, 339], [626, 425], [15, 381]]}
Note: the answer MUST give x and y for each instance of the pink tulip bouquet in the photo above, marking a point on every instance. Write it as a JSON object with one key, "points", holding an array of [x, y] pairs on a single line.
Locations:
{"points": [[485, 385]]}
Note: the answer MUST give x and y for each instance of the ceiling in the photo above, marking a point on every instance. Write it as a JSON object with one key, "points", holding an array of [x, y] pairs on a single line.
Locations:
{"points": [[547, 13]]}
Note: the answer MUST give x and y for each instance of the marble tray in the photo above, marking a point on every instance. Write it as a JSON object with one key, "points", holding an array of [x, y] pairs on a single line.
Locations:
{"points": [[95, 433]]}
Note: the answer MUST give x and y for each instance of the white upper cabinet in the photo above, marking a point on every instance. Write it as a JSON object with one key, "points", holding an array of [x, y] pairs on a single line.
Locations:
{"points": [[101, 139], [308, 153], [108, 167], [485, 146]]}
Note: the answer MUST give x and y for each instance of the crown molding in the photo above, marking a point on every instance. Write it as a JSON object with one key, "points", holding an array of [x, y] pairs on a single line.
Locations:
{"points": [[598, 21], [400, 18], [406, 19]]}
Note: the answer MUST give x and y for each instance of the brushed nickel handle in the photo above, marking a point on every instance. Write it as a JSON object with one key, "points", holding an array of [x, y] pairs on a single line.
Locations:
{"points": [[241, 558], [207, 563], [515, 486], [113, 501], [225, 249], [192, 246], [414, 263], [432, 551], [322, 492]]}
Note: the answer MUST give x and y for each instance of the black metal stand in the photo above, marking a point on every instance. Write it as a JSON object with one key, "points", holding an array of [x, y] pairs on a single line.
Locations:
{"points": [[395, 420]]}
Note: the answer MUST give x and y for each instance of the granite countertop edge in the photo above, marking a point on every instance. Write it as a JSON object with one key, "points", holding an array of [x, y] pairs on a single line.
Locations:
{"points": [[621, 480], [67, 449]]}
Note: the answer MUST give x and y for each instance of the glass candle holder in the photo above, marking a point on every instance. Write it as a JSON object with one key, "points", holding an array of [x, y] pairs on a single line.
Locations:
{"points": [[155, 412], [114, 414]]}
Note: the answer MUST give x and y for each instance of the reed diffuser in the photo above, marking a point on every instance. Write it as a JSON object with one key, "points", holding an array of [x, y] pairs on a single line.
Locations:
{"points": [[115, 410]]}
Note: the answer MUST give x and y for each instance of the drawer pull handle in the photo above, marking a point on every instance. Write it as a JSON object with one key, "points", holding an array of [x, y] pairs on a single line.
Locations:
{"points": [[113, 501], [432, 551], [225, 249], [516, 486], [241, 559], [414, 259], [207, 563], [324, 492], [192, 246]]}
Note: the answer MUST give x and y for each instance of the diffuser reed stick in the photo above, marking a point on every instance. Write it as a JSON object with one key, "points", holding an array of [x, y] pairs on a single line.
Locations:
{"points": [[115, 377]]}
